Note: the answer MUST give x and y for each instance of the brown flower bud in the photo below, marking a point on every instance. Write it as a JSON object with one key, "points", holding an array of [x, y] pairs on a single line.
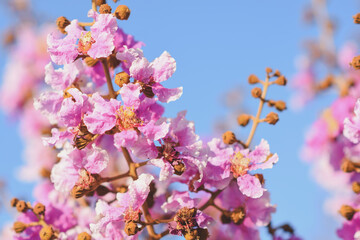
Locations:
{"points": [[45, 173], [347, 212], [355, 63], [113, 61], [272, 118], [47, 233], [327, 82], [253, 79], [62, 23], [179, 168], [287, 228], [131, 228], [122, 12], [21, 206], [102, 190], [100, 2], [268, 70], [280, 105], [260, 177], [238, 215], [122, 78], [13, 202], [105, 9], [256, 92], [243, 119], [281, 80], [19, 227], [9, 38], [225, 217], [39, 209], [277, 73], [347, 166], [356, 18], [90, 61], [229, 137], [84, 236], [271, 103], [148, 92], [356, 187]]}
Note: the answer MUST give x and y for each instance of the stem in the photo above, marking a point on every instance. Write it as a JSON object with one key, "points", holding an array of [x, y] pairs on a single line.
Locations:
{"points": [[112, 92], [85, 24], [257, 117], [211, 200], [109, 179], [93, 5]]}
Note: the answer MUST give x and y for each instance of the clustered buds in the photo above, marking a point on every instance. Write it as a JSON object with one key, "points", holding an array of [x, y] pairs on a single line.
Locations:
{"points": [[86, 183]]}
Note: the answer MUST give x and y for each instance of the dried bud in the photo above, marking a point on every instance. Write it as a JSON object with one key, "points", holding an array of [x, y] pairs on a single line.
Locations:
{"points": [[13, 202], [272, 118], [253, 79], [179, 168], [131, 228], [21, 206], [47, 233], [260, 177], [356, 187], [113, 61], [280, 105], [268, 70], [256, 92], [100, 2], [122, 78], [229, 137], [105, 9], [243, 119], [83, 137], [355, 63], [197, 234], [271, 103], [281, 80], [238, 215], [62, 23], [148, 92], [277, 73], [39, 209], [90, 61], [45, 173], [19, 227], [84, 236], [86, 183], [357, 18], [102, 190], [122, 12], [347, 166], [347, 212], [225, 217]]}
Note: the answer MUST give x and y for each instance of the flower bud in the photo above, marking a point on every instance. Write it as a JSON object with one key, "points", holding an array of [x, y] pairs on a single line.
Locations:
{"points": [[19, 227], [105, 9], [229, 137], [225, 217], [62, 23], [122, 12], [288, 228], [256, 92], [89, 61], [179, 168], [280, 105], [277, 73], [148, 92], [21, 206], [113, 61], [39, 209], [243, 119], [260, 177], [45, 173], [102, 190], [86, 183], [122, 78], [47, 233], [84, 236], [281, 80], [272, 118], [356, 187], [100, 2], [9, 38], [347, 212], [268, 70], [355, 63], [347, 166], [122, 189], [253, 79], [131, 228], [196, 234], [238, 215], [13, 202], [357, 18]]}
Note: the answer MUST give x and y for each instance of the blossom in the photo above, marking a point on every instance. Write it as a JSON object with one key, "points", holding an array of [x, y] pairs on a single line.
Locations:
{"points": [[352, 125]]}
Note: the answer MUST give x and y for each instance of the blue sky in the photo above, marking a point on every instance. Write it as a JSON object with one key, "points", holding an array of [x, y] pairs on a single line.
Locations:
{"points": [[217, 45]]}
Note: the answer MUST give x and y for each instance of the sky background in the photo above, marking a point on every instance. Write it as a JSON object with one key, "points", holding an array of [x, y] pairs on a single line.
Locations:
{"points": [[217, 45]]}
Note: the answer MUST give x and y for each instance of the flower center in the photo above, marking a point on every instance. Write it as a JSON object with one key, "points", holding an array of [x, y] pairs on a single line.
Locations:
{"points": [[131, 215], [185, 218], [85, 43], [239, 165], [127, 118]]}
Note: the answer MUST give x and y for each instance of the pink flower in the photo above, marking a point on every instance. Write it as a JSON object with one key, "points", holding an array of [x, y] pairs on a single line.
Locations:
{"points": [[352, 125]]}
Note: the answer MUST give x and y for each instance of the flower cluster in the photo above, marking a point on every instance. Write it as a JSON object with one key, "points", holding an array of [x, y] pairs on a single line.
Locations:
{"points": [[113, 165]]}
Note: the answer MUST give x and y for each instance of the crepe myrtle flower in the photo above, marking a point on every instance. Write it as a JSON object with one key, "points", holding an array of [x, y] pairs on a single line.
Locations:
{"points": [[127, 208], [188, 221], [352, 125], [226, 163], [150, 75]]}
